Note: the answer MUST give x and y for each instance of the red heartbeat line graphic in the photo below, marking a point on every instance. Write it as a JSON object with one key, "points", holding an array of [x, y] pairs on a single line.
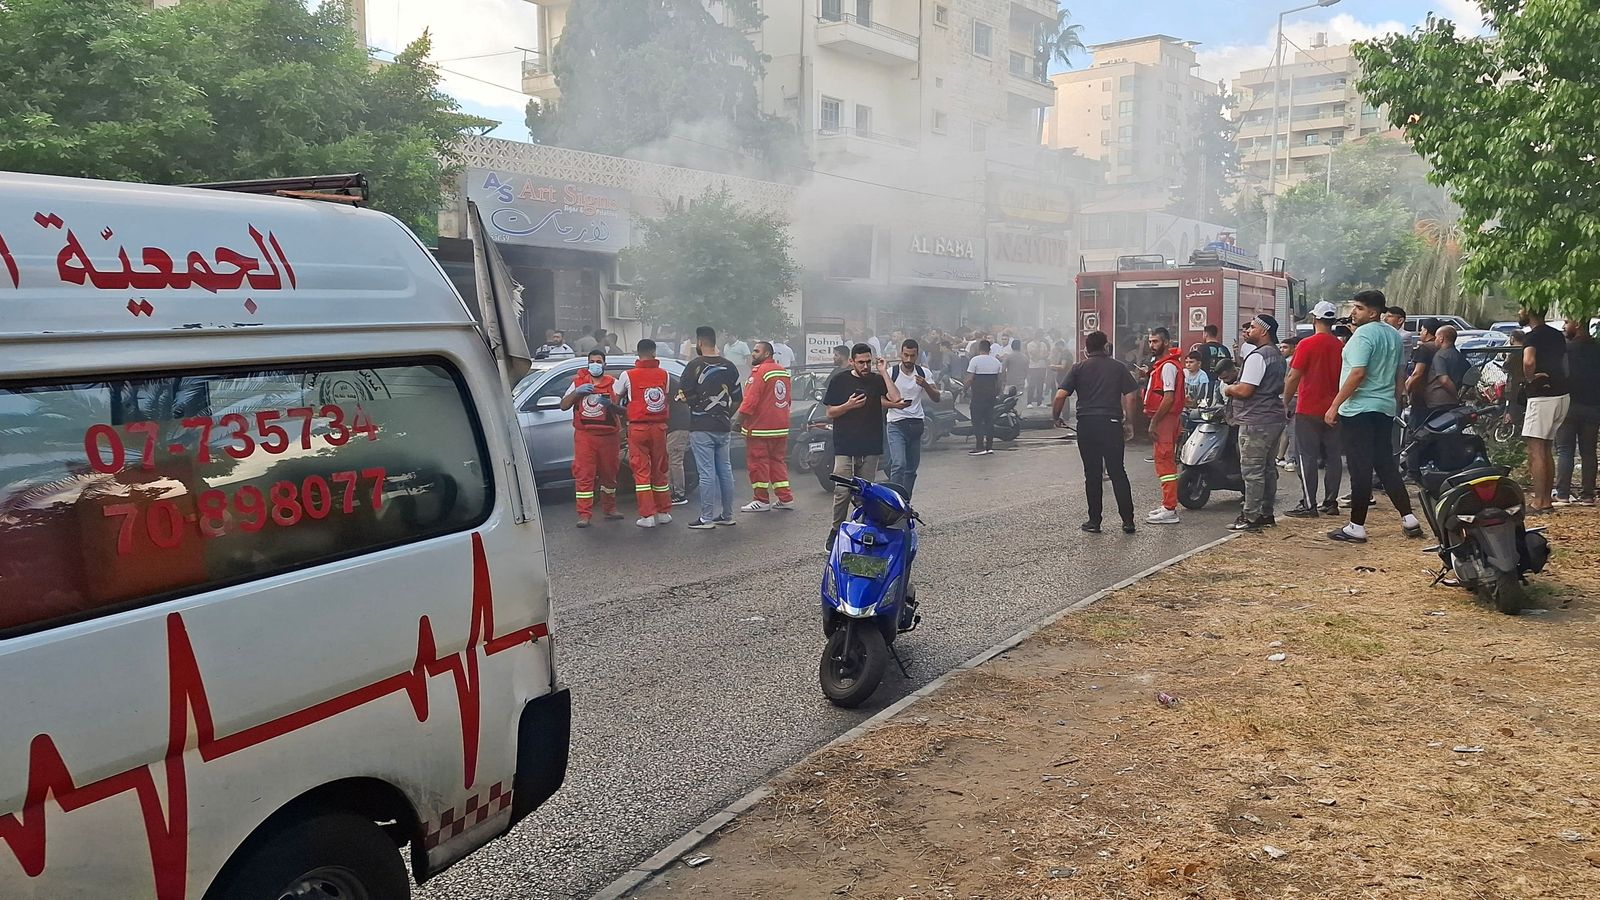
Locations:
{"points": [[167, 833], [11, 263]]}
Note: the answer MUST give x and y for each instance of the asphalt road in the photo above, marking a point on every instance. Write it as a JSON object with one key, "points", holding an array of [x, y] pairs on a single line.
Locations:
{"points": [[692, 655]]}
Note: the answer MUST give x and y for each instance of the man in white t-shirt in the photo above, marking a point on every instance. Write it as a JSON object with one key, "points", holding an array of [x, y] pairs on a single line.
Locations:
{"points": [[983, 386], [783, 355], [907, 419]]}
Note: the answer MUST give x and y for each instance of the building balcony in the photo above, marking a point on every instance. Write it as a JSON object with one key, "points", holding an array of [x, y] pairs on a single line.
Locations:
{"points": [[856, 143], [1325, 123], [1033, 11], [866, 39], [537, 79], [1029, 82]]}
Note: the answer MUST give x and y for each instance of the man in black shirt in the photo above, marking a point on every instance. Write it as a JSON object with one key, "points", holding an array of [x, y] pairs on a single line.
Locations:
{"points": [[1544, 368], [712, 389], [1580, 433], [855, 398], [1105, 390]]}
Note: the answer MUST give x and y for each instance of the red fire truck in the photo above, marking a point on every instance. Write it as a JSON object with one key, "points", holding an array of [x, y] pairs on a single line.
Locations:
{"points": [[1219, 286]]}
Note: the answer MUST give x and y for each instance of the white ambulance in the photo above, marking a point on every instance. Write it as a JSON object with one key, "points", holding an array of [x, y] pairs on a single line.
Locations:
{"points": [[273, 596]]}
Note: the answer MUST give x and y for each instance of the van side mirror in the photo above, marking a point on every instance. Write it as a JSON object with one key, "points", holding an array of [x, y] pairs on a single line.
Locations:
{"points": [[548, 403]]}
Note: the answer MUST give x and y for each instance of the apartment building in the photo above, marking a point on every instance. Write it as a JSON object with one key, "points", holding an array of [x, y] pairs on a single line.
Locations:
{"points": [[916, 115], [1319, 108], [1139, 108]]}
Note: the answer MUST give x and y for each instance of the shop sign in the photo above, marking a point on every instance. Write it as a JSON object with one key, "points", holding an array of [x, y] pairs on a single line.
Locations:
{"points": [[1025, 257], [1017, 200], [819, 348], [938, 259], [546, 212]]}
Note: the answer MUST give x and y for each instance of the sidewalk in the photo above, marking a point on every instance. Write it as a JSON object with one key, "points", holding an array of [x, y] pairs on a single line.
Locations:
{"points": [[1409, 743]]}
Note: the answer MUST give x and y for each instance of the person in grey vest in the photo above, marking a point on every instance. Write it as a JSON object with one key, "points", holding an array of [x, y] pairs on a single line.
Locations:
{"points": [[1258, 408]]}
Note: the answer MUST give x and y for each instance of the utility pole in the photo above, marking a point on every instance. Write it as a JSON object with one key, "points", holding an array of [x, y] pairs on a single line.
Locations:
{"points": [[1277, 85]]}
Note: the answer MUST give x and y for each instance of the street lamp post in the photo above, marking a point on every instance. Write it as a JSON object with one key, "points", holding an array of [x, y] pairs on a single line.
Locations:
{"points": [[1277, 85]]}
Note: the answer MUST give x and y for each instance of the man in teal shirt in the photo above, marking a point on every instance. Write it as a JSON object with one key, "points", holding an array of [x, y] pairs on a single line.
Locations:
{"points": [[1364, 410]]}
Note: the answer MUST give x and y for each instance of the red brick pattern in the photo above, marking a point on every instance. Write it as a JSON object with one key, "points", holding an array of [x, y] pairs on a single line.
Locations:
{"points": [[477, 810]]}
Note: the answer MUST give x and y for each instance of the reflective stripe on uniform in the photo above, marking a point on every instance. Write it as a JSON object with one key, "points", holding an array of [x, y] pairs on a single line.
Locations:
{"points": [[663, 487], [759, 485], [642, 487], [585, 495], [776, 373], [1167, 478], [769, 433], [780, 484]]}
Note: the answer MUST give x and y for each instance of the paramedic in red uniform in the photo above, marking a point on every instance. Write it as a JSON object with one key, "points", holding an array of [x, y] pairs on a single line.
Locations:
{"points": [[1164, 406], [643, 391], [763, 418], [596, 438]]}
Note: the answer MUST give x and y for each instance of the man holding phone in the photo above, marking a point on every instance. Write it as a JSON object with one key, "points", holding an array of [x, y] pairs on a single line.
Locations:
{"points": [[855, 398]]}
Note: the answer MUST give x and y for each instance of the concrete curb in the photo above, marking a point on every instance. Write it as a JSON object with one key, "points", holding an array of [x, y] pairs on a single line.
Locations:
{"points": [[657, 863]]}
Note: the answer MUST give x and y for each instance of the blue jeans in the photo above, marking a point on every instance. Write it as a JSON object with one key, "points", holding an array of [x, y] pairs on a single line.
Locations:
{"points": [[905, 452], [715, 466]]}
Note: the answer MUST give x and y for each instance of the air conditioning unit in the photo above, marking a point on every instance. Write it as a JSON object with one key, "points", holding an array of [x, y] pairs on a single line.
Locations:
{"points": [[624, 305]]}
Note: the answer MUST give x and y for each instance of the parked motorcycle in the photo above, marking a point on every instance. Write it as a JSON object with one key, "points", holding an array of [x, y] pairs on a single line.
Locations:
{"points": [[867, 596], [1209, 459], [813, 450], [1007, 421], [1475, 509]]}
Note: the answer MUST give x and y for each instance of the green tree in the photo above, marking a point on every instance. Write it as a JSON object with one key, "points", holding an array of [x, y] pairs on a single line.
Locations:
{"points": [[1055, 41], [714, 262], [636, 72], [1508, 123], [211, 90], [1348, 238]]}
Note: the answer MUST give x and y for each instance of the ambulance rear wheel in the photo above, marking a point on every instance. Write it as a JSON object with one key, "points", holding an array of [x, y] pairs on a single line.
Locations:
{"points": [[329, 856]]}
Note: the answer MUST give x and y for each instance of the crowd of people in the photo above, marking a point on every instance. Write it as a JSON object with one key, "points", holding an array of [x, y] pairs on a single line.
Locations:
{"points": [[1322, 407]]}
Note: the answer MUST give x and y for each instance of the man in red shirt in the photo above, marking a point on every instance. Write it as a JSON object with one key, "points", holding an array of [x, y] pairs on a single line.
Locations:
{"points": [[1314, 376], [643, 390], [596, 438], [763, 418], [1163, 403]]}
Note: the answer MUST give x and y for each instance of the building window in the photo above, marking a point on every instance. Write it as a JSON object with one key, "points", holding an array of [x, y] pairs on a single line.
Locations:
{"points": [[864, 12], [1105, 112], [1105, 138], [980, 137], [982, 39], [1172, 113], [941, 16], [1313, 138], [1105, 85], [832, 11], [863, 119], [831, 110], [939, 122], [1125, 83], [1125, 134], [1125, 108]]}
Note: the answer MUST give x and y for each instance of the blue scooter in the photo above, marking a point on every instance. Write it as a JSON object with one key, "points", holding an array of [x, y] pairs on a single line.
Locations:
{"points": [[867, 596]]}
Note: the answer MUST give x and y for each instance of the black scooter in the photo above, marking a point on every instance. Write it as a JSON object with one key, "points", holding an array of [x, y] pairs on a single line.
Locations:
{"points": [[1007, 421], [1474, 508]]}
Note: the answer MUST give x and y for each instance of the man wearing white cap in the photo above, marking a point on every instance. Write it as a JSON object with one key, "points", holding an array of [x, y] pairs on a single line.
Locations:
{"points": [[1312, 384]]}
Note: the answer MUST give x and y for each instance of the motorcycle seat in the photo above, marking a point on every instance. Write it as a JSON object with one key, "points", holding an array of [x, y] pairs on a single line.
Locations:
{"points": [[1435, 481]]}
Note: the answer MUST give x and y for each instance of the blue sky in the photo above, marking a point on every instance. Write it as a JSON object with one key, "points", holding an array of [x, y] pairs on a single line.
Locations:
{"points": [[476, 39]]}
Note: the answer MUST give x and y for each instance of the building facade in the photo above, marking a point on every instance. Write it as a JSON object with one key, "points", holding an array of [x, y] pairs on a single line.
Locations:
{"points": [[1318, 108], [1139, 109], [917, 116]]}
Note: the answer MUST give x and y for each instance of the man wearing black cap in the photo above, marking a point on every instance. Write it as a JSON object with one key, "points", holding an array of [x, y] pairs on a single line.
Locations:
{"points": [[1258, 408]]}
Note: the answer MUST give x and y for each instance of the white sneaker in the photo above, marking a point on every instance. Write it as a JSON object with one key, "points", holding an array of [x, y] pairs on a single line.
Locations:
{"points": [[646, 522], [1155, 512], [1163, 516], [663, 518], [756, 506], [782, 504]]}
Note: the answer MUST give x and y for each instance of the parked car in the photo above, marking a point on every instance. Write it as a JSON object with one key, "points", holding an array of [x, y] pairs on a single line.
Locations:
{"points": [[1505, 327], [547, 428], [1481, 340], [1414, 323]]}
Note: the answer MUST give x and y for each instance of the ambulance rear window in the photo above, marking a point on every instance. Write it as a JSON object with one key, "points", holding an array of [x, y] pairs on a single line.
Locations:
{"points": [[127, 491]]}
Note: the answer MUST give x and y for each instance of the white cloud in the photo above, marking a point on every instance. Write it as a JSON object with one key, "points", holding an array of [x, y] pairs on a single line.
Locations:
{"points": [[1227, 62], [1467, 14], [466, 28]]}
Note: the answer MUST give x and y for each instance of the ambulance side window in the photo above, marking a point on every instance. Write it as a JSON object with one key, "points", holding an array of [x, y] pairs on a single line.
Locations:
{"points": [[132, 490]]}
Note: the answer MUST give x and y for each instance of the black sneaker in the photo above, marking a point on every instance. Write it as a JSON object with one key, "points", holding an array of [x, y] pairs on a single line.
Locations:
{"points": [[1253, 525], [1091, 527], [1302, 512], [703, 524], [1329, 508], [1267, 522], [1128, 528]]}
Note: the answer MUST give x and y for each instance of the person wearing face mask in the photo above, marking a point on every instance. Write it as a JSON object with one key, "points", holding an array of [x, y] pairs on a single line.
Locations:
{"points": [[596, 438]]}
